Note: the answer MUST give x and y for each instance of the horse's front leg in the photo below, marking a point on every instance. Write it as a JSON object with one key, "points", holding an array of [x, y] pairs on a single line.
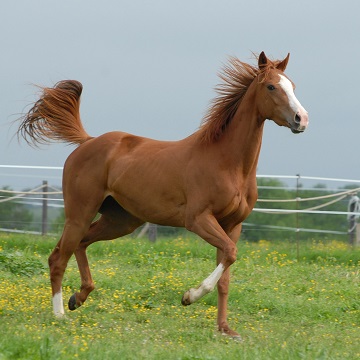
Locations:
{"points": [[223, 294], [223, 291], [206, 226], [210, 230], [204, 288]]}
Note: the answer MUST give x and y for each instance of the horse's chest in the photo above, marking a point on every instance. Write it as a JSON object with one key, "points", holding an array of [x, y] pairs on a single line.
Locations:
{"points": [[242, 211], [235, 212]]}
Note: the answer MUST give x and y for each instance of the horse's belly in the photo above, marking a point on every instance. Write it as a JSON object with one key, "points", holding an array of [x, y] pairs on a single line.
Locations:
{"points": [[152, 206]]}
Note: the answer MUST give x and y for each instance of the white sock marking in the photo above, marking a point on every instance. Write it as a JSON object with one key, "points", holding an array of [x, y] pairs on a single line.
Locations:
{"points": [[208, 284], [58, 305]]}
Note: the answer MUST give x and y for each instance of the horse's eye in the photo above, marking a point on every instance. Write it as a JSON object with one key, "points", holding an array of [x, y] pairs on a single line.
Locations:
{"points": [[271, 87]]}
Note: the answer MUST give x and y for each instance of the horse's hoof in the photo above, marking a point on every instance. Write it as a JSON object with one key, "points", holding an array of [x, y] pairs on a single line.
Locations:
{"points": [[237, 338], [72, 303], [230, 334], [186, 299], [60, 316]]}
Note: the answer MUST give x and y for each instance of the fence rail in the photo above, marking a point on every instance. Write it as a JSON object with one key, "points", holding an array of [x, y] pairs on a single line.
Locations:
{"points": [[47, 195]]}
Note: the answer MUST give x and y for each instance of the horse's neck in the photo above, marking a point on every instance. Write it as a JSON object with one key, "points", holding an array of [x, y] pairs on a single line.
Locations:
{"points": [[243, 140]]}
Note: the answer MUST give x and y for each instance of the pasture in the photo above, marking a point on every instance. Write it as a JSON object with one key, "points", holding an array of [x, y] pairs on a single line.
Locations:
{"points": [[283, 306]]}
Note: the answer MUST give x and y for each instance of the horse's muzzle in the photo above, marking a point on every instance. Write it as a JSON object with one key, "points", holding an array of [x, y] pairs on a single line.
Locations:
{"points": [[301, 121]]}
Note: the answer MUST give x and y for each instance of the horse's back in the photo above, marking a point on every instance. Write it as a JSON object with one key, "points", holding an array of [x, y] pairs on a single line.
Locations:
{"points": [[137, 172], [92, 153], [104, 147]]}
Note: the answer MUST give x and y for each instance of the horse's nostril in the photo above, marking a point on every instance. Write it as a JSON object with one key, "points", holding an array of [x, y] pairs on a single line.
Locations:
{"points": [[297, 119]]}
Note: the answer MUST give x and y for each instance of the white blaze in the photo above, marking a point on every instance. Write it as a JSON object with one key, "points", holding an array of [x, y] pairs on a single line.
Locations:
{"points": [[294, 103], [286, 85]]}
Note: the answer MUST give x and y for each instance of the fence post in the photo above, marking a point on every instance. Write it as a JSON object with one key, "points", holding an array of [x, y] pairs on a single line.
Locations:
{"points": [[143, 231], [297, 218], [354, 206], [44, 227], [357, 239], [152, 232]]}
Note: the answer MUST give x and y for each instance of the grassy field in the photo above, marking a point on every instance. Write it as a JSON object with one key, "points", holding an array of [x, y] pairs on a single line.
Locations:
{"points": [[284, 307]]}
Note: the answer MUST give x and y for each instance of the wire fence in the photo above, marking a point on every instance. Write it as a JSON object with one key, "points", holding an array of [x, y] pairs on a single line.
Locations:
{"points": [[282, 199]]}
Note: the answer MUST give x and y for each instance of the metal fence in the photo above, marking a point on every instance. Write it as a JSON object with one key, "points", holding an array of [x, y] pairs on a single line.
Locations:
{"points": [[48, 195]]}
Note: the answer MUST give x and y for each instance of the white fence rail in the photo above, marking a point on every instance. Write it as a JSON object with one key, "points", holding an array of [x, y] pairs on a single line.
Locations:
{"points": [[52, 196]]}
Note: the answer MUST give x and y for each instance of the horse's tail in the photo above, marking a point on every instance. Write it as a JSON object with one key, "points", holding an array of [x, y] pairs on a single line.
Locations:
{"points": [[55, 116]]}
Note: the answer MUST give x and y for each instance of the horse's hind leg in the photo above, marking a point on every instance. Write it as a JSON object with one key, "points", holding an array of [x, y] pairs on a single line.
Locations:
{"points": [[115, 222], [80, 210], [70, 239]]}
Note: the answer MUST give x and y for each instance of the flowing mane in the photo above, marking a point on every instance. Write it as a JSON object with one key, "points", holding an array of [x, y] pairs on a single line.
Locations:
{"points": [[237, 76]]}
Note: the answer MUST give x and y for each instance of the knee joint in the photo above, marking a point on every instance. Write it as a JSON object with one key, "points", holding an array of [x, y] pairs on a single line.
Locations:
{"points": [[223, 286], [230, 255]]}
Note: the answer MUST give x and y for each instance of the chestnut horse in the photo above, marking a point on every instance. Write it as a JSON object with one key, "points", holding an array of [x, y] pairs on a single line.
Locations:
{"points": [[205, 182]]}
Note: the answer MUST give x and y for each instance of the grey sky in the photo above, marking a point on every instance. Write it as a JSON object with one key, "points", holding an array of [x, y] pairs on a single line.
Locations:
{"points": [[149, 68]]}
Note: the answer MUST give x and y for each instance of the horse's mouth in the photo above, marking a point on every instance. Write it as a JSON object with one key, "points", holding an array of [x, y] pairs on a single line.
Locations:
{"points": [[297, 131], [297, 128], [299, 123]]}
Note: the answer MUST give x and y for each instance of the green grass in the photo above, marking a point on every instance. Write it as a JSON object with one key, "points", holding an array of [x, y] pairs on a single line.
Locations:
{"points": [[283, 306]]}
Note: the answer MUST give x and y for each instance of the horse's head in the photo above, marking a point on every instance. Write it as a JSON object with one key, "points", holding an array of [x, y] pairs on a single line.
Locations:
{"points": [[276, 98]]}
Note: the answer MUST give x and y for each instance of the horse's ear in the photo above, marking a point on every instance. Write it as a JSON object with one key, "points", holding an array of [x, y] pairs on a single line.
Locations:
{"points": [[282, 64], [262, 61]]}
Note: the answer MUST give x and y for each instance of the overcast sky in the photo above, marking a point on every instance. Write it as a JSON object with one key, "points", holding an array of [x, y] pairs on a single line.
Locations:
{"points": [[149, 68]]}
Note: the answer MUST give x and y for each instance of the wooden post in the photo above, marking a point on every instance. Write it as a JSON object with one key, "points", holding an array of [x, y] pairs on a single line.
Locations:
{"points": [[143, 231], [152, 232], [357, 238], [353, 231], [44, 227], [297, 218]]}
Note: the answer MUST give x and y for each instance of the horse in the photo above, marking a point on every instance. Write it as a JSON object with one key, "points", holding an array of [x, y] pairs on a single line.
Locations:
{"points": [[205, 182]]}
